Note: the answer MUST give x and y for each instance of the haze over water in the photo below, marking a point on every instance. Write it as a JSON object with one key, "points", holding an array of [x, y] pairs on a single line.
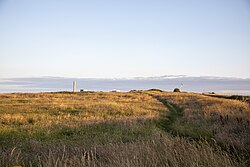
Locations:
{"points": [[167, 83]]}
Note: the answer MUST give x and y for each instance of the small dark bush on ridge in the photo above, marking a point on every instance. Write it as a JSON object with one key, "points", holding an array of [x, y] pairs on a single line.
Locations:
{"points": [[177, 90]]}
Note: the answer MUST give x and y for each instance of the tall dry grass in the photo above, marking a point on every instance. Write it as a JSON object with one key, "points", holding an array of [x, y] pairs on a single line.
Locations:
{"points": [[118, 129], [163, 150], [43, 110], [223, 120]]}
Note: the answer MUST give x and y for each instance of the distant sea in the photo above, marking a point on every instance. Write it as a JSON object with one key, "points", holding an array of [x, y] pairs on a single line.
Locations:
{"points": [[167, 83]]}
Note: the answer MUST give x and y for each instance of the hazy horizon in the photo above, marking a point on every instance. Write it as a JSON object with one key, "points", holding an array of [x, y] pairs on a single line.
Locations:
{"points": [[222, 85]]}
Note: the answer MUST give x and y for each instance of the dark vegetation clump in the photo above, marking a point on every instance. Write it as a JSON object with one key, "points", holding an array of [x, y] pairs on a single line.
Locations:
{"points": [[31, 121], [177, 90], [157, 90], [239, 97]]}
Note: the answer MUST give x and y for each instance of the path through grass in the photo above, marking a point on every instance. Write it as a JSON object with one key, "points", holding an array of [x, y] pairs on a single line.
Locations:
{"points": [[104, 129], [168, 119]]}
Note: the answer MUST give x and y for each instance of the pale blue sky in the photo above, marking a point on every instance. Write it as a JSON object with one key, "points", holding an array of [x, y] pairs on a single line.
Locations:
{"points": [[115, 38]]}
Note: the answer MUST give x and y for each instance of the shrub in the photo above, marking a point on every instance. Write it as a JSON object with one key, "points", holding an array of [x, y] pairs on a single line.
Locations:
{"points": [[158, 90], [177, 90]]}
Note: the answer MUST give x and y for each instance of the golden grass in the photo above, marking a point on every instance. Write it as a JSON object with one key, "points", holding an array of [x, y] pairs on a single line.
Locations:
{"points": [[74, 109], [224, 120], [120, 129], [199, 104]]}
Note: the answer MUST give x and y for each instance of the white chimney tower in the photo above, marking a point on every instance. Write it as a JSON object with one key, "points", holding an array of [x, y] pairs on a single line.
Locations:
{"points": [[74, 86]]}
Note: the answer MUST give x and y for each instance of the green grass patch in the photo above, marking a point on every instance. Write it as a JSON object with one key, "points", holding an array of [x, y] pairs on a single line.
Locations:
{"points": [[101, 133], [174, 123]]}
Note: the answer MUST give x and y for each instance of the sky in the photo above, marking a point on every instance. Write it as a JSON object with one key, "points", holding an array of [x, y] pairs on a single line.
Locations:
{"points": [[129, 38]]}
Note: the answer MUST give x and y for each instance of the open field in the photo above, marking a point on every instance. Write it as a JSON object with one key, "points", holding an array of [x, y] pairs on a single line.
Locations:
{"points": [[137, 128], [226, 121]]}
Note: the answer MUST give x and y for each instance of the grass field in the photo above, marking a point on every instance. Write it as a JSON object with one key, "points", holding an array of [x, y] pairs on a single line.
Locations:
{"points": [[137, 128]]}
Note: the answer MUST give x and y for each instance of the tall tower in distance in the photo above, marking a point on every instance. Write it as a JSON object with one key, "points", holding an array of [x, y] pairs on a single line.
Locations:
{"points": [[74, 86]]}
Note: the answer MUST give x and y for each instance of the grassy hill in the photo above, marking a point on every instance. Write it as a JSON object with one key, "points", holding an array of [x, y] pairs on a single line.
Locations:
{"points": [[137, 128]]}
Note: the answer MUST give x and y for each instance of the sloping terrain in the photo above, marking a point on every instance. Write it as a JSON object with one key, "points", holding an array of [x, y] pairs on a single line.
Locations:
{"points": [[137, 128], [226, 121]]}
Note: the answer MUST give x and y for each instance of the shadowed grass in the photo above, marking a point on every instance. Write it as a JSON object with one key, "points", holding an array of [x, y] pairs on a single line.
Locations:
{"points": [[225, 121], [117, 129], [172, 123], [162, 150]]}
